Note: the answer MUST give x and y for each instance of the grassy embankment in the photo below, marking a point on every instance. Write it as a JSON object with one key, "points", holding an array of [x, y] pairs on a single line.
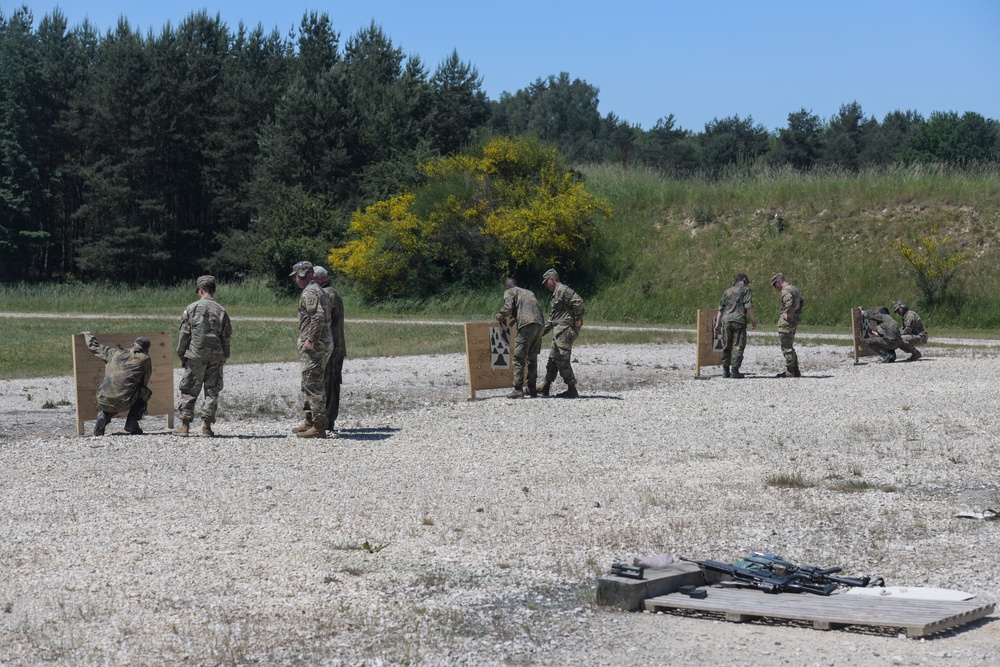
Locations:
{"points": [[672, 248]]}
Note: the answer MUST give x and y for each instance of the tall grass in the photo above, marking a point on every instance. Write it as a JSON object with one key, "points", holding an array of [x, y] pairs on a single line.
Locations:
{"points": [[674, 246]]}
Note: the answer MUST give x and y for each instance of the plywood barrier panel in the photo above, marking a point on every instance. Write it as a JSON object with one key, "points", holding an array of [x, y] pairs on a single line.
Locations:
{"points": [[709, 344], [488, 350], [88, 371], [859, 330]]}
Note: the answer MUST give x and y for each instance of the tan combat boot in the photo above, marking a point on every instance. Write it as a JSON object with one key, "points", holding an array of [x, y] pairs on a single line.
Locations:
{"points": [[206, 429], [308, 424], [183, 428], [517, 393], [916, 355], [318, 430]]}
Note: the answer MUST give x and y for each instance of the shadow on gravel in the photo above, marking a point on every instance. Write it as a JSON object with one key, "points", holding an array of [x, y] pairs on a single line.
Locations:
{"points": [[778, 377], [377, 433]]}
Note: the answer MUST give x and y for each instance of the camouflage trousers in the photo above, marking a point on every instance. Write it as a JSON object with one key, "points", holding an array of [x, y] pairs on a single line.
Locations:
{"points": [[313, 364], [560, 354], [527, 345], [787, 340], [332, 382], [909, 343], [881, 344], [734, 342], [200, 374]]}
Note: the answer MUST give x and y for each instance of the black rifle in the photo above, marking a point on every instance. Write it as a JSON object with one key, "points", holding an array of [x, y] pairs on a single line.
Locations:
{"points": [[780, 566], [765, 579]]}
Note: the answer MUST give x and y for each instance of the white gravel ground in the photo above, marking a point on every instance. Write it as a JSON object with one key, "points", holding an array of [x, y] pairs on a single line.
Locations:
{"points": [[487, 522]]}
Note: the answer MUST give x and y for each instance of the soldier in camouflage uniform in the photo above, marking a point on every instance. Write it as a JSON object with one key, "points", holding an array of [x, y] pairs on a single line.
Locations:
{"points": [[520, 306], [731, 320], [315, 348], [913, 331], [565, 320], [788, 322], [203, 346], [883, 331], [335, 368], [126, 382]]}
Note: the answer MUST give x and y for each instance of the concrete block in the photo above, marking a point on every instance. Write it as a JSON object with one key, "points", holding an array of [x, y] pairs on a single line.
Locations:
{"points": [[629, 594]]}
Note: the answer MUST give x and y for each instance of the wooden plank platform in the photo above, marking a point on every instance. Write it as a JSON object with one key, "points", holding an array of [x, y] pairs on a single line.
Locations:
{"points": [[918, 617]]}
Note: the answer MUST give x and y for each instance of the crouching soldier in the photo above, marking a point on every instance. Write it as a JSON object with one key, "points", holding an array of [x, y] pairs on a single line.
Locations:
{"points": [[884, 333], [125, 386], [913, 331]]}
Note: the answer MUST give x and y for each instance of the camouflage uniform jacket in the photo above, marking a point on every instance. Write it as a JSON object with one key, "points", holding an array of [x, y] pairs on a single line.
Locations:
{"points": [[205, 331], [566, 307], [912, 324], [884, 325], [314, 317], [126, 376], [791, 305], [735, 302], [337, 322], [521, 305]]}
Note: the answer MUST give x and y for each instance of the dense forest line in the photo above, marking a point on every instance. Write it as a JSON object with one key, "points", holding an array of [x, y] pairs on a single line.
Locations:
{"points": [[147, 159]]}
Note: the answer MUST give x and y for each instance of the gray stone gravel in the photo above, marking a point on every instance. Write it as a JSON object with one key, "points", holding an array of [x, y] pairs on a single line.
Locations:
{"points": [[440, 531]]}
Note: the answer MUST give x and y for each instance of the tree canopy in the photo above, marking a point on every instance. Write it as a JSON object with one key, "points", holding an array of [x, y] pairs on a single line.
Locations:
{"points": [[148, 158]]}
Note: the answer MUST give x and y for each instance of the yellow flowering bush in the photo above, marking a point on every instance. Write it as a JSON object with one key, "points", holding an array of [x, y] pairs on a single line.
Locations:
{"points": [[509, 206], [933, 264]]}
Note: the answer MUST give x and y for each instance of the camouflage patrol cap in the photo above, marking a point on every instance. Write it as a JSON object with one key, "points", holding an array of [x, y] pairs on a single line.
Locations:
{"points": [[301, 269], [551, 273], [896, 307], [142, 343], [776, 277], [207, 283]]}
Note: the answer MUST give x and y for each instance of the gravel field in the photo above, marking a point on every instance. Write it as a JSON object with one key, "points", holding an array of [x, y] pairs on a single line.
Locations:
{"points": [[436, 530]]}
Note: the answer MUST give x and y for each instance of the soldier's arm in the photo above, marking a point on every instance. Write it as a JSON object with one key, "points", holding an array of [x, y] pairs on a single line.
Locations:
{"points": [[753, 320], [184, 334], [577, 304], [227, 334]]}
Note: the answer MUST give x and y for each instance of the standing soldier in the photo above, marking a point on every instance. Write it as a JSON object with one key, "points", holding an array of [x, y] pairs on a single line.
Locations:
{"points": [[913, 331], [521, 306], [335, 368], [788, 322], [315, 347], [731, 320], [126, 382], [203, 346], [565, 320]]}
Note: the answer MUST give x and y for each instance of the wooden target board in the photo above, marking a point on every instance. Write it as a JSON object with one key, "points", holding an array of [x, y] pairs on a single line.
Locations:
{"points": [[489, 349], [860, 330], [88, 371], [708, 343]]}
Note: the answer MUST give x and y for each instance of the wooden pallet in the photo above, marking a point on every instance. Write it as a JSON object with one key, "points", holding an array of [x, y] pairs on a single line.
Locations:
{"points": [[918, 617]]}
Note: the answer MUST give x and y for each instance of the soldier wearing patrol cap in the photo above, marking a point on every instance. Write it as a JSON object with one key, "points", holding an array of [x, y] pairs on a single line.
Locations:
{"points": [[788, 322], [126, 382], [315, 348], [203, 347], [912, 332], [731, 321], [565, 320]]}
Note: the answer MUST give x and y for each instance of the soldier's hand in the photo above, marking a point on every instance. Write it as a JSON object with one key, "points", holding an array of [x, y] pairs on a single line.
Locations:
{"points": [[308, 345]]}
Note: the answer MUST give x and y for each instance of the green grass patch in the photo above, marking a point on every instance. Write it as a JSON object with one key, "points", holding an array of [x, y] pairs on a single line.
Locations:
{"points": [[786, 480]]}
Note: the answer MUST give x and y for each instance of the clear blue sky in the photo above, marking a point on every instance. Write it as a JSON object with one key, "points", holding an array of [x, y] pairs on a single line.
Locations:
{"points": [[697, 60]]}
